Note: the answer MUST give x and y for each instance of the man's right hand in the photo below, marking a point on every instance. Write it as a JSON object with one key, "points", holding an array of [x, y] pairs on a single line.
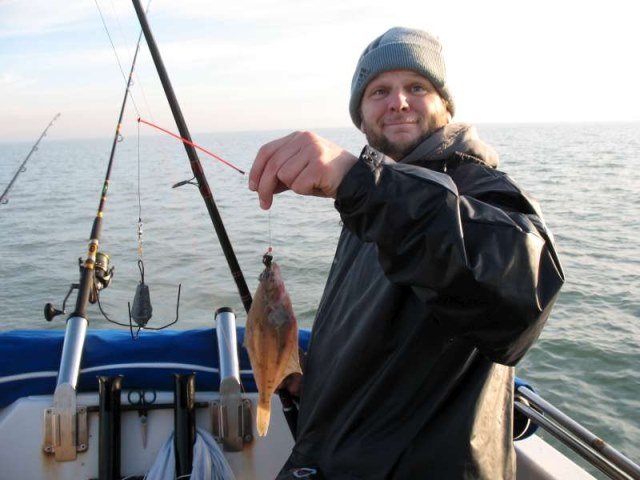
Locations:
{"points": [[303, 162]]}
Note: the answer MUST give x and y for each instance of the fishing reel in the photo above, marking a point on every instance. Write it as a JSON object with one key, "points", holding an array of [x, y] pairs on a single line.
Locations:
{"points": [[102, 275], [101, 279]]}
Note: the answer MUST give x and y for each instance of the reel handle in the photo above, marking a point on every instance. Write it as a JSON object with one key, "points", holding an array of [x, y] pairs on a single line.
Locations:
{"points": [[50, 312]]}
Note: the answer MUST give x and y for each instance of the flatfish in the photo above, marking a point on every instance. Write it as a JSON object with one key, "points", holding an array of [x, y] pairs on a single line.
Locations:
{"points": [[271, 338]]}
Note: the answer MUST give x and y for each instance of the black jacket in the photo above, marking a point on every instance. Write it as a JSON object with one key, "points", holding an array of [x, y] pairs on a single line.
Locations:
{"points": [[443, 277]]}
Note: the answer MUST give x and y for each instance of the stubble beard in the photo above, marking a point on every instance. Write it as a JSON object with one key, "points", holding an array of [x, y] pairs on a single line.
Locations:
{"points": [[399, 150]]}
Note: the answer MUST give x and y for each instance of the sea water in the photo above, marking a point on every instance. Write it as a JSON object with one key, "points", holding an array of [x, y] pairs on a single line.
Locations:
{"points": [[585, 176]]}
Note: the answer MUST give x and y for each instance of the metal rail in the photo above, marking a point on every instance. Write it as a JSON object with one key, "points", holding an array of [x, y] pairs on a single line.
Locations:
{"points": [[586, 444]]}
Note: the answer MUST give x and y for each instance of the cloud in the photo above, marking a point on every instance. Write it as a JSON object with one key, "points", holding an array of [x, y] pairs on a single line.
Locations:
{"points": [[266, 62], [37, 17], [280, 12], [8, 79]]}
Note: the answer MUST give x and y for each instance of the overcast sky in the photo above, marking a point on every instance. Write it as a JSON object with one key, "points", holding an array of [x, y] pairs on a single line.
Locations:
{"points": [[271, 64]]}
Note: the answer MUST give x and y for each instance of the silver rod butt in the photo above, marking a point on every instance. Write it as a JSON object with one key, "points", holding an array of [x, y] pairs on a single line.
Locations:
{"points": [[227, 344], [72, 348], [230, 412]]}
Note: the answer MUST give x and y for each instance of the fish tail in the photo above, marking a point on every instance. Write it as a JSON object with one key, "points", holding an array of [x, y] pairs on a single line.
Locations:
{"points": [[264, 415]]}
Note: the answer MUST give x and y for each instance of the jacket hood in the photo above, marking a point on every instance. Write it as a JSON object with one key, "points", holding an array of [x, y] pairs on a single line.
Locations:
{"points": [[453, 138]]}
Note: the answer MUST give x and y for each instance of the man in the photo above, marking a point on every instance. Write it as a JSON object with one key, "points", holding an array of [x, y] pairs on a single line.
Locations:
{"points": [[443, 277]]}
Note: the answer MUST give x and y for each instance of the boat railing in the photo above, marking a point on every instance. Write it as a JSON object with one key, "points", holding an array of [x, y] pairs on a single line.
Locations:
{"points": [[585, 443]]}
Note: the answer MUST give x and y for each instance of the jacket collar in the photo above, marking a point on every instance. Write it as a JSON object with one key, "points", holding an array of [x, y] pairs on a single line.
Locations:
{"points": [[454, 138]]}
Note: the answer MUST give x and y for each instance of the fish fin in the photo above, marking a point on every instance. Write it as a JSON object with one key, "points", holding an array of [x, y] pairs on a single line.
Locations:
{"points": [[264, 416], [293, 364]]}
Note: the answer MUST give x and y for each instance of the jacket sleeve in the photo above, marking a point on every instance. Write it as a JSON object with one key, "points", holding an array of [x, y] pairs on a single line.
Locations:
{"points": [[471, 245]]}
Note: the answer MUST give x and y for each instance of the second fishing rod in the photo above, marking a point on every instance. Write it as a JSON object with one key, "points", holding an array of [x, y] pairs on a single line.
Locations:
{"points": [[95, 275], [289, 405], [194, 161], [4, 198]]}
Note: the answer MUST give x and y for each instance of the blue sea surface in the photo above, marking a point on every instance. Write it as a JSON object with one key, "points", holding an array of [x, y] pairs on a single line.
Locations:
{"points": [[585, 176]]}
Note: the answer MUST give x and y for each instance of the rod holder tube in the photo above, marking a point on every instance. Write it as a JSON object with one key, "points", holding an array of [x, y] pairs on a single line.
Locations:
{"points": [[74, 337], [109, 433], [184, 415], [227, 344], [230, 405]]}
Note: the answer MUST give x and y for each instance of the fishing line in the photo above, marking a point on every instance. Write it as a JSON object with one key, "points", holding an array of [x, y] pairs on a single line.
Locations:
{"points": [[119, 24], [95, 272], [203, 185], [124, 41], [270, 249], [141, 310], [194, 162], [139, 203], [191, 144], [124, 76], [144, 96], [141, 301]]}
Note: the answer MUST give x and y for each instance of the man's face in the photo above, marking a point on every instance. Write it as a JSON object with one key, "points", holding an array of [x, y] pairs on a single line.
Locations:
{"points": [[399, 109]]}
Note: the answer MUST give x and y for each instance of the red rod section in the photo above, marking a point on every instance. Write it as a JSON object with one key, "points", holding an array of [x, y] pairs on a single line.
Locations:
{"points": [[188, 142]]}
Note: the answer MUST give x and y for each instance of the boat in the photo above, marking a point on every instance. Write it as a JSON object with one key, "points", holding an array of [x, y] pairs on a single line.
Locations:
{"points": [[98, 433], [84, 404], [134, 397]]}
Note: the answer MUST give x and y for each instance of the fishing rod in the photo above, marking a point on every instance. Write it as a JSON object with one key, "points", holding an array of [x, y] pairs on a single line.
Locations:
{"points": [[95, 275], [196, 167], [95, 272], [289, 406], [3, 197]]}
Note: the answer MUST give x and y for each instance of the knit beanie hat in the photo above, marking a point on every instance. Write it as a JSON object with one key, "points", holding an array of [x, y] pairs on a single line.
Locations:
{"points": [[400, 49]]}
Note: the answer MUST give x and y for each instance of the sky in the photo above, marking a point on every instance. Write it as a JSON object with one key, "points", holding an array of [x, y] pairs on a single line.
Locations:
{"points": [[287, 64]]}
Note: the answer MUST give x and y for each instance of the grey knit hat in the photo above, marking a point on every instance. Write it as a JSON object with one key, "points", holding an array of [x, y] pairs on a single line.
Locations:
{"points": [[400, 49]]}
